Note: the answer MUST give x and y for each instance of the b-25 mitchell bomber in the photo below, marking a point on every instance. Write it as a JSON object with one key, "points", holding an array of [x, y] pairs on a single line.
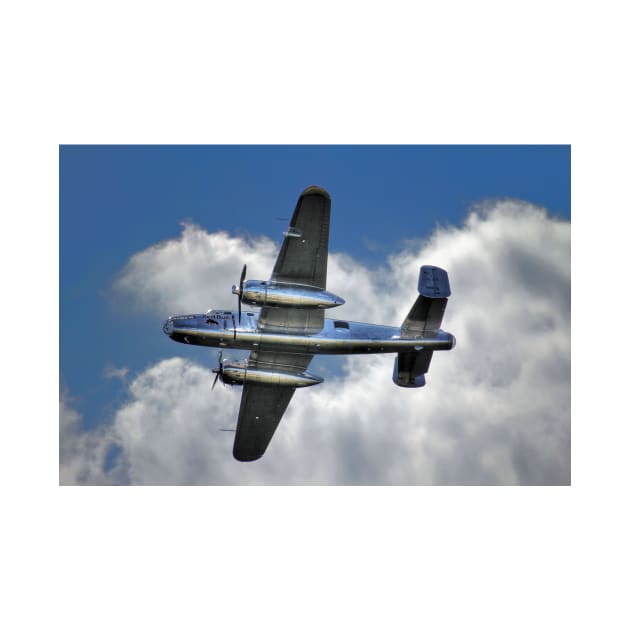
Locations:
{"points": [[290, 328]]}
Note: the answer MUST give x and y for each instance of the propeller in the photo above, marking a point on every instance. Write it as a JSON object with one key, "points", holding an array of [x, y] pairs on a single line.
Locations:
{"points": [[218, 371], [240, 292]]}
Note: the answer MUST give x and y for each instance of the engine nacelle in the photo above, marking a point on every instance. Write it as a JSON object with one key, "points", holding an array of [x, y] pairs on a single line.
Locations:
{"points": [[239, 374], [267, 293]]}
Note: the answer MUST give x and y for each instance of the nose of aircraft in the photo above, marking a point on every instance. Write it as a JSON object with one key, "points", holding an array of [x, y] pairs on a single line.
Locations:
{"points": [[168, 326]]}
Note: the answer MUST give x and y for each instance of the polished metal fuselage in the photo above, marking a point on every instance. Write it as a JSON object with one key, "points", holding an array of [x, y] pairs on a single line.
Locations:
{"points": [[221, 329]]}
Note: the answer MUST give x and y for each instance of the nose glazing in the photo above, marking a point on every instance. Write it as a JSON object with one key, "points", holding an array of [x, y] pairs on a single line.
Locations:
{"points": [[168, 326]]}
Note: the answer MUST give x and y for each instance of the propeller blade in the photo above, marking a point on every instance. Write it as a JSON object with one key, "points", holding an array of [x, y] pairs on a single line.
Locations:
{"points": [[218, 371], [240, 292]]}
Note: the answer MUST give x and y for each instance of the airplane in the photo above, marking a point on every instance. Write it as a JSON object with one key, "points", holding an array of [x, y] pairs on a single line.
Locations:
{"points": [[290, 328]]}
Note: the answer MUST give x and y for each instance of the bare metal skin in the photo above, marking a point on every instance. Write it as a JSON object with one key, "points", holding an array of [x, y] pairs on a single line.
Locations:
{"points": [[357, 338]]}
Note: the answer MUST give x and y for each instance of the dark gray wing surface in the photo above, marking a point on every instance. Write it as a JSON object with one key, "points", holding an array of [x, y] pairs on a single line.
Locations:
{"points": [[262, 406], [303, 258]]}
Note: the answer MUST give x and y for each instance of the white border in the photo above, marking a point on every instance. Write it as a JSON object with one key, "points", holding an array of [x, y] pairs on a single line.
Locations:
{"points": [[273, 72]]}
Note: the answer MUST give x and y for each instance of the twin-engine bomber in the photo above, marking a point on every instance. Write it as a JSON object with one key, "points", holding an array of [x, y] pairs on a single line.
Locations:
{"points": [[290, 328]]}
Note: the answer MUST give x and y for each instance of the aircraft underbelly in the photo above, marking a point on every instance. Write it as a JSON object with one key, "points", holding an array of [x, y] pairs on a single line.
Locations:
{"points": [[361, 341]]}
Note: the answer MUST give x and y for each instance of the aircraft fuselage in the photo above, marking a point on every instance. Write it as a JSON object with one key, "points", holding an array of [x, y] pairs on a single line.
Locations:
{"points": [[221, 329]]}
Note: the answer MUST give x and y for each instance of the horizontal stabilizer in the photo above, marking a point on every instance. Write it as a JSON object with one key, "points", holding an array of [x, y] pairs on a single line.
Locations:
{"points": [[410, 368]]}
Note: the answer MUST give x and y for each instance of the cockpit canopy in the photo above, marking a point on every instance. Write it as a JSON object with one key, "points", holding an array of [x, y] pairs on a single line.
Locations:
{"points": [[219, 317]]}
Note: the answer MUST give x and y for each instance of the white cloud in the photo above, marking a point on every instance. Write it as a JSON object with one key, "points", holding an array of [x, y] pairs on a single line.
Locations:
{"points": [[113, 372], [496, 409], [193, 272], [83, 454]]}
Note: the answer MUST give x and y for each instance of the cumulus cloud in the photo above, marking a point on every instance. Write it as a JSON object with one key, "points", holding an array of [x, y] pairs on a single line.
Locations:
{"points": [[192, 272], [83, 455], [496, 409]]}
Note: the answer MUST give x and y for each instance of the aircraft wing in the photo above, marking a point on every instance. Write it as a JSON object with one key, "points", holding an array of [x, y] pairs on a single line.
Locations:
{"points": [[262, 406], [303, 259]]}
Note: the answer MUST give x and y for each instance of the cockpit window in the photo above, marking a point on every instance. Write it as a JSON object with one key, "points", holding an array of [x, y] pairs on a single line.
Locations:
{"points": [[212, 321], [340, 324]]}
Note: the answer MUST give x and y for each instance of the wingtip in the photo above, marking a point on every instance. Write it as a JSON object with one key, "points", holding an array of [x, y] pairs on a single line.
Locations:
{"points": [[315, 190], [241, 456]]}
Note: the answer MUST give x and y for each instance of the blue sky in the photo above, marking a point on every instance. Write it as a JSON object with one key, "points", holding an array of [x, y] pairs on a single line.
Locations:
{"points": [[118, 200]]}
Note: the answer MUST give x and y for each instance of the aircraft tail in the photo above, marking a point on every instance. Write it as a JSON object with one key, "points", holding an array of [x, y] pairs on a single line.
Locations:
{"points": [[424, 320]]}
